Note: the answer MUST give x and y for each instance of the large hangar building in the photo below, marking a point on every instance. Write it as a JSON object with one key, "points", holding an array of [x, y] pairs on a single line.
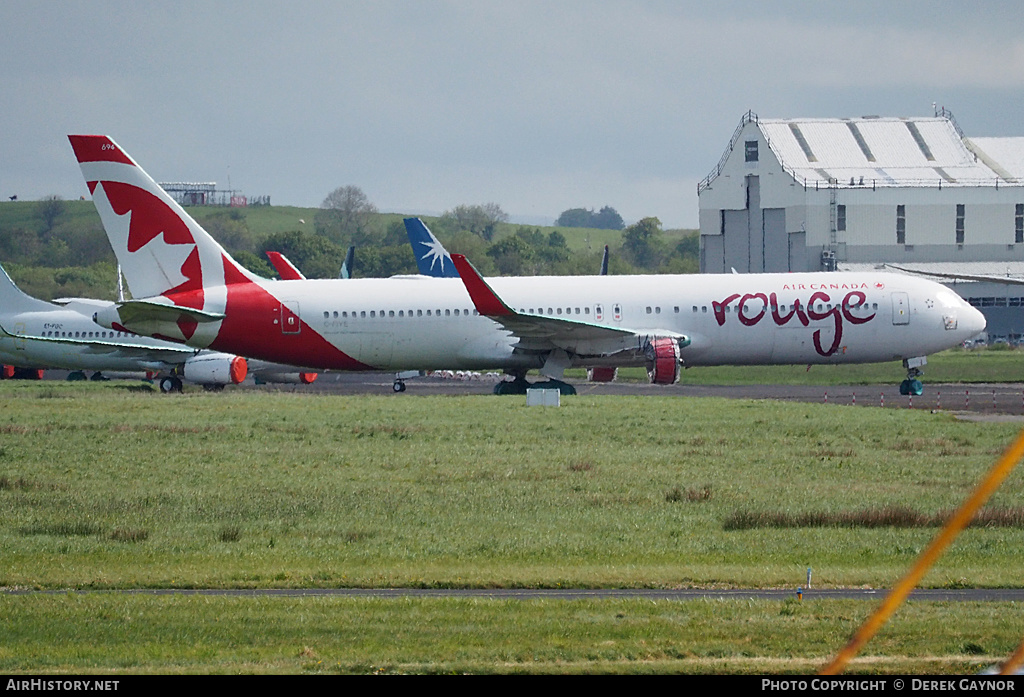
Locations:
{"points": [[909, 193]]}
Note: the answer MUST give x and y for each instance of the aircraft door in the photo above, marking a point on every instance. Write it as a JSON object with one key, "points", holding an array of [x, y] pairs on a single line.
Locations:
{"points": [[19, 336], [290, 323], [900, 308]]}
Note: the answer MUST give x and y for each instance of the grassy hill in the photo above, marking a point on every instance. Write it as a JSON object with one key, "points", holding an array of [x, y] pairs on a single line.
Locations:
{"points": [[66, 253]]}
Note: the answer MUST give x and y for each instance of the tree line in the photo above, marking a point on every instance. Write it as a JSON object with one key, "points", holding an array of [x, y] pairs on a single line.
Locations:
{"points": [[54, 248]]}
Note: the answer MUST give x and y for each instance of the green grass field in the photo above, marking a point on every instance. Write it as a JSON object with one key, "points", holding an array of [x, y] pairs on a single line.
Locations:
{"points": [[113, 486]]}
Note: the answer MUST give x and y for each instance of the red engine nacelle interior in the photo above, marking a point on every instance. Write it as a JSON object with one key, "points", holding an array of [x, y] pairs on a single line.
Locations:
{"points": [[664, 369], [603, 373]]}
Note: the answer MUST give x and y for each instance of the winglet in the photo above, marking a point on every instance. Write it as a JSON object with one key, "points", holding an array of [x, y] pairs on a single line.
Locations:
{"points": [[284, 267], [486, 300]]}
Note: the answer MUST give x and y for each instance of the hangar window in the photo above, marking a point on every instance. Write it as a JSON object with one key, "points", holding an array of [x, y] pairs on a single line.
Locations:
{"points": [[841, 218], [1018, 222], [901, 224], [960, 215], [750, 151]]}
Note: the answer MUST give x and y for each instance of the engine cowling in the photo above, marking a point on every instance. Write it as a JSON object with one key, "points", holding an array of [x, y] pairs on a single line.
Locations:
{"points": [[215, 369], [663, 368], [286, 378], [602, 373]]}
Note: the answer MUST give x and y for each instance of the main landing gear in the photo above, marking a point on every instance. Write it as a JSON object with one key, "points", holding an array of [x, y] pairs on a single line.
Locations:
{"points": [[400, 378], [913, 386], [170, 384]]}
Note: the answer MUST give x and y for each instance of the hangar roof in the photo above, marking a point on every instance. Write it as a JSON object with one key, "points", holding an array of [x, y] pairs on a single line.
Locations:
{"points": [[891, 151], [1008, 271]]}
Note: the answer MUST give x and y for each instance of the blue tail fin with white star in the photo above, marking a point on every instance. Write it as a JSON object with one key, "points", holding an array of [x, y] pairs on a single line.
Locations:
{"points": [[432, 258]]}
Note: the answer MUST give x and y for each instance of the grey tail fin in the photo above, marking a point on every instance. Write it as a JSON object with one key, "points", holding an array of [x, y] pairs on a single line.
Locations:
{"points": [[13, 299]]}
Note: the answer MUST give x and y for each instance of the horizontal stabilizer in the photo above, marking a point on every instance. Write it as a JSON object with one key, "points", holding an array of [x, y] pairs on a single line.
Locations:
{"points": [[133, 312]]}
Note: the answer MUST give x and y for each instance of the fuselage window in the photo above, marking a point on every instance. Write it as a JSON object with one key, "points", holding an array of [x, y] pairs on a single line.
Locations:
{"points": [[456, 312], [586, 310], [648, 309], [326, 314], [447, 313], [363, 313], [391, 313]]}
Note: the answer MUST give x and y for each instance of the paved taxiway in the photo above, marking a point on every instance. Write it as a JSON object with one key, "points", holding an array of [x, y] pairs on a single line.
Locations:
{"points": [[1004, 401]]}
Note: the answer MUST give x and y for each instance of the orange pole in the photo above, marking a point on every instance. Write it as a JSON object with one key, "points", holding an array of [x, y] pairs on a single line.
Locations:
{"points": [[1011, 664], [958, 522]]}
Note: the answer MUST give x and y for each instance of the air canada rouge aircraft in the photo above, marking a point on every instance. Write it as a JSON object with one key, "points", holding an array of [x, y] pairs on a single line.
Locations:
{"points": [[188, 289]]}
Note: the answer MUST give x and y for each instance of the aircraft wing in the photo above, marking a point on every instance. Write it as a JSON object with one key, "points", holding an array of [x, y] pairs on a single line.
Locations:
{"points": [[163, 354], [540, 333], [1009, 280]]}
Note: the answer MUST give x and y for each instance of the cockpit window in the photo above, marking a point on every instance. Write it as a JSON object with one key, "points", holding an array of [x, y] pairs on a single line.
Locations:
{"points": [[948, 298]]}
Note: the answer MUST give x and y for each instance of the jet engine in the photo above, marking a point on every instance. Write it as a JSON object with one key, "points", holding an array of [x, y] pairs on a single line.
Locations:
{"points": [[210, 368], [663, 356], [602, 373], [11, 372], [287, 378]]}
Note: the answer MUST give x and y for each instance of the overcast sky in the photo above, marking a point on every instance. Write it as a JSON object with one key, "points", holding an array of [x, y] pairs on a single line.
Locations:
{"points": [[537, 106]]}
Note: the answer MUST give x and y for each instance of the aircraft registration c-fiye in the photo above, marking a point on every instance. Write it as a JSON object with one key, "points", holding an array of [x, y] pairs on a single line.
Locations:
{"points": [[188, 289]]}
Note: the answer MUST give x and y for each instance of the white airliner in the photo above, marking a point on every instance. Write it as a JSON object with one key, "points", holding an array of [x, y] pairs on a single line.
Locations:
{"points": [[35, 334], [188, 289]]}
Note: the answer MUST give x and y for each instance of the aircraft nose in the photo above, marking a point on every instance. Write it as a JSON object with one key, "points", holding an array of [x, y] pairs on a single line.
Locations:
{"points": [[973, 321]]}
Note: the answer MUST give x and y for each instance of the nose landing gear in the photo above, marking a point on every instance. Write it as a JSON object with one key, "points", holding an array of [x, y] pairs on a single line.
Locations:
{"points": [[913, 386]]}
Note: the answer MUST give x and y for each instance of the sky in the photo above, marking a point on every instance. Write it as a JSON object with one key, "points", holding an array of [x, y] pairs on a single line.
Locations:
{"points": [[539, 106]]}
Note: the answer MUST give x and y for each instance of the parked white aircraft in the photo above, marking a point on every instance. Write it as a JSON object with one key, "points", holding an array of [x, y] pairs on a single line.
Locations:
{"points": [[35, 334], [188, 289]]}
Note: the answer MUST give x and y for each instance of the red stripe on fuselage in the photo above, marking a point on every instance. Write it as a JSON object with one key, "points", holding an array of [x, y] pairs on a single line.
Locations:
{"points": [[251, 327]]}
